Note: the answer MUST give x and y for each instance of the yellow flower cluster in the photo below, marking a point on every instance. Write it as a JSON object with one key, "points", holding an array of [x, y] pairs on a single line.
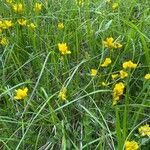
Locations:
{"points": [[32, 26], [18, 8], [37, 7], [93, 72], [118, 92], [119, 87], [147, 76], [60, 25], [63, 48], [62, 94], [106, 62], [123, 74], [114, 76], [144, 130], [80, 2], [115, 6], [5, 24], [111, 44], [129, 65], [21, 93], [131, 145], [3, 41], [22, 22]]}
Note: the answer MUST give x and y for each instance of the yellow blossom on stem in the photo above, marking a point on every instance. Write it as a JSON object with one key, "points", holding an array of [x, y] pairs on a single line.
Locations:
{"points": [[62, 94], [106, 62], [129, 65], [80, 2], [4, 41], [6, 24], [18, 8], [118, 92], [114, 76], [147, 76], [21, 93], [93, 72], [131, 145], [32, 26], [144, 130], [60, 25], [115, 6], [111, 44], [22, 22], [123, 74], [37, 7], [63, 48]]}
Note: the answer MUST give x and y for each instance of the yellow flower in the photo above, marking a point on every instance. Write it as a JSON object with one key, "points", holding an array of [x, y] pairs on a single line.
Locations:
{"points": [[105, 83], [62, 94], [93, 72], [123, 74], [18, 8], [21, 93], [147, 76], [111, 44], [129, 64], [37, 7], [131, 145], [114, 76], [63, 48], [144, 130], [80, 2], [60, 25], [22, 22], [32, 26], [117, 92], [3, 41], [6, 24], [115, 6], [106, 62]]}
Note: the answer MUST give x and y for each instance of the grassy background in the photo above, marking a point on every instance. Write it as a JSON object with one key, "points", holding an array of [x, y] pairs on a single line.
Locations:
{"points": [[87, 119]]}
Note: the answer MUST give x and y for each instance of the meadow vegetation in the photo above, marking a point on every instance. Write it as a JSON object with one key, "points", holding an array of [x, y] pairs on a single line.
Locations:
{"points": [[74, 74]]}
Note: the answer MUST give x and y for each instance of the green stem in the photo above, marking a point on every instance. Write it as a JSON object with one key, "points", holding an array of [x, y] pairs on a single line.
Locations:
{"points": [[118, 129]]}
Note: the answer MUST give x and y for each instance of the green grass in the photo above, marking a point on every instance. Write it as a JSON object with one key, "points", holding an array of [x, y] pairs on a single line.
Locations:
{"points": [[86, 119]]}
